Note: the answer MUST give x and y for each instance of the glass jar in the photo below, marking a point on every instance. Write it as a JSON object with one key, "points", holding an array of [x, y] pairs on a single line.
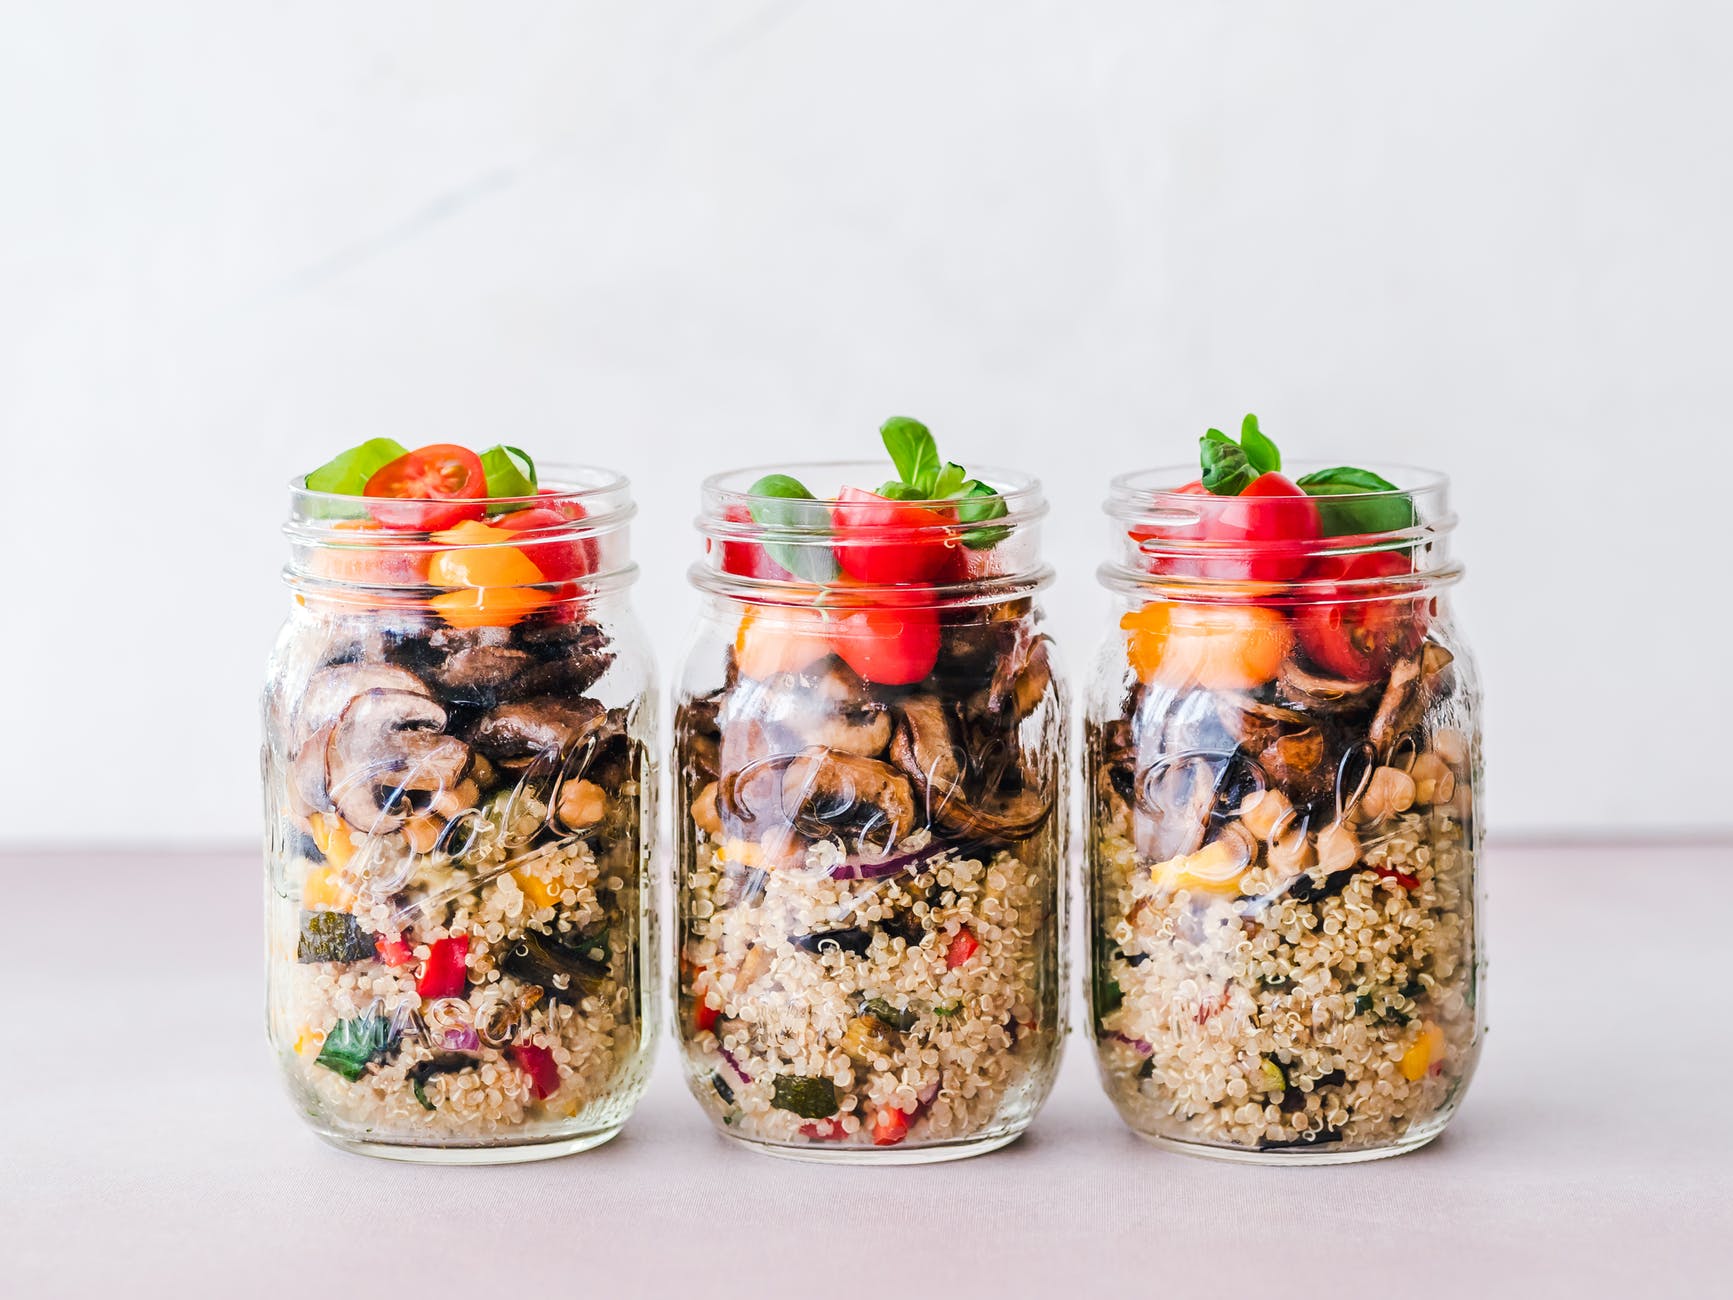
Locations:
{"points": [[870, 800], [1283, 757], [459, 806]]}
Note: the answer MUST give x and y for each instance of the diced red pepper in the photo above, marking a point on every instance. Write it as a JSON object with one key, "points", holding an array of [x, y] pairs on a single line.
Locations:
{"points": [[824, 1130], [393, 950], [444, 975], [963, 946], [706, 1017], [890, 1126], [539, 1064], [1400, 877]]}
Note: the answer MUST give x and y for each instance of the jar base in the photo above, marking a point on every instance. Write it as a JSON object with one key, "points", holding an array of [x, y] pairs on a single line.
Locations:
{"points": [[938, 1153], [507, 1154], [1292, 1156]]}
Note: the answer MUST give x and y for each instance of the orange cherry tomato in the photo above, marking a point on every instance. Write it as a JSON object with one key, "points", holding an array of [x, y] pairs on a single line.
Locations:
{"points": [[775, 639], [488, 606], [410, 486], [376, 556], [1217, 647], [481, 558]]}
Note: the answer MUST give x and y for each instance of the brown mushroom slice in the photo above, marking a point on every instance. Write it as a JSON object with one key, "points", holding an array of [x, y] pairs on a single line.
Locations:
{"points": [[1295, 762], [922, 747], [1322, 693], [482, 668], [824, 791], [307, 776], [834, 711], [1021, 679], [330, 690], [514, 734], [386, 759], [1397, 710]]}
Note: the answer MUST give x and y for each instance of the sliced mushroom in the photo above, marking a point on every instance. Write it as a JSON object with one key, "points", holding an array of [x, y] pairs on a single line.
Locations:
{"points": [[824, 791], [386, 760], [308, 780], [1295, 762], [330, 690], [1322, 693], [516, 733], [832, 709], [482, 668], [1021, 679], [922, 746], [1397, 709]]}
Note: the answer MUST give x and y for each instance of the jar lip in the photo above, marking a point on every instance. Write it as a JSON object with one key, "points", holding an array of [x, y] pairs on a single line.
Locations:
{"points": [[1020, 492], [563, 483], [1159, 486]]}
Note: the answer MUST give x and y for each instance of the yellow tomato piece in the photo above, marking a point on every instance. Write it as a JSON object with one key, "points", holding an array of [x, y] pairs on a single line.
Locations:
{"points": [[542, 893], [1216, 868], [484, 557], [332, 837], [1216, 647], [1425, 1052], [324, 890], [308, 1040], [743, 852], [775, 639], [488, 606]]}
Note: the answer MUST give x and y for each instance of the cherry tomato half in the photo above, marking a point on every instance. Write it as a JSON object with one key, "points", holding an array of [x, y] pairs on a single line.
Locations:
{"points": [[560, 559], [892, 541], [441, 472], [891, 645], [1270, 527], [1358, 640], [748, 559]]}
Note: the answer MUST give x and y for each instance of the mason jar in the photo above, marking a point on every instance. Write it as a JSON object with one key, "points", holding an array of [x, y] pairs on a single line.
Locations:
{"points": [[459, 807], [870, 800], [1284, 773]]}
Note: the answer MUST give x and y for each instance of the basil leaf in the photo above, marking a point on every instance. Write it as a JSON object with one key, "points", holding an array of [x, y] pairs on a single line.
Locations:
{"points": [[1216, 435], [1260, 451], [347, 472], [1226, 471], [913, 451], [1358, 514], [510, 472], [977, 505], [950, 480], [897, 490], [792, 507]]}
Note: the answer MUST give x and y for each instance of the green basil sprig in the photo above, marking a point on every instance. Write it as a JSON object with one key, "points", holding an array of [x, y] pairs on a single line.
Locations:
{"points": [[1229, 467], [924, 477], [787, 507], [510, 471], [1355, 513]]}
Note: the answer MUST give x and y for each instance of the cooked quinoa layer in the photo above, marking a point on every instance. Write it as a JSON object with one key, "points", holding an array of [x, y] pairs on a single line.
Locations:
{"points": [[1261, 1021], [934, 995], [456, 1070]]}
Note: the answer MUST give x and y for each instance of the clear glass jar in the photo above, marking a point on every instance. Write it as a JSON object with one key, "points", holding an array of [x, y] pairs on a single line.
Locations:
{"points": [[459, 806], [870, 800], [1283, 758]]}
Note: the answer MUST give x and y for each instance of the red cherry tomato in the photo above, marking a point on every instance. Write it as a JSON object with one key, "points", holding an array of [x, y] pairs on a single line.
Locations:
{"points": [[560, 559], [1359, 639], [892, 645], [748, 559], [884, 541], [441, 472], [1271, 527]]}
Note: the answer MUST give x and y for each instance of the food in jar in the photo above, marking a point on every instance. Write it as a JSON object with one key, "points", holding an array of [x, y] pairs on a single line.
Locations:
{"points": [[871, 800], [456, 778], [1283, 765]]}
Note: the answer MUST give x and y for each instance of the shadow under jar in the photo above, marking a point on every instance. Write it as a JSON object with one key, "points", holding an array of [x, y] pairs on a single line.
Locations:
{"points": [[459, 803], [1283, 758], [871, 811]]}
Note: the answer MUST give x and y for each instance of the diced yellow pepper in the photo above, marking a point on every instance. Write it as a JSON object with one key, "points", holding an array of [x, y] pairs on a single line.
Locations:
{"points": [[542, 893], [323, 889], [743, 852], [332, 837], [1216, 868], [308, 1040], [1425, 1052]]}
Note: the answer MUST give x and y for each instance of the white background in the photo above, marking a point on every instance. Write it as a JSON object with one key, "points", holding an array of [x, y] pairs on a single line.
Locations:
{"points": [[674, 237]]}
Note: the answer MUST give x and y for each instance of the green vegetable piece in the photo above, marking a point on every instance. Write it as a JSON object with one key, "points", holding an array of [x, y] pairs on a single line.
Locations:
{"points": [[540, 959], [913, 452], [510, 472], [807, 1097], [901, 1019], [422, 1071], [793, 508], [978, 504], [1260, 451], [1358, 513], [353, 1044], [333, 936], [948, 1009], [346, 474], [1109, 996], [1226, 471], [1273, 1077]]}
